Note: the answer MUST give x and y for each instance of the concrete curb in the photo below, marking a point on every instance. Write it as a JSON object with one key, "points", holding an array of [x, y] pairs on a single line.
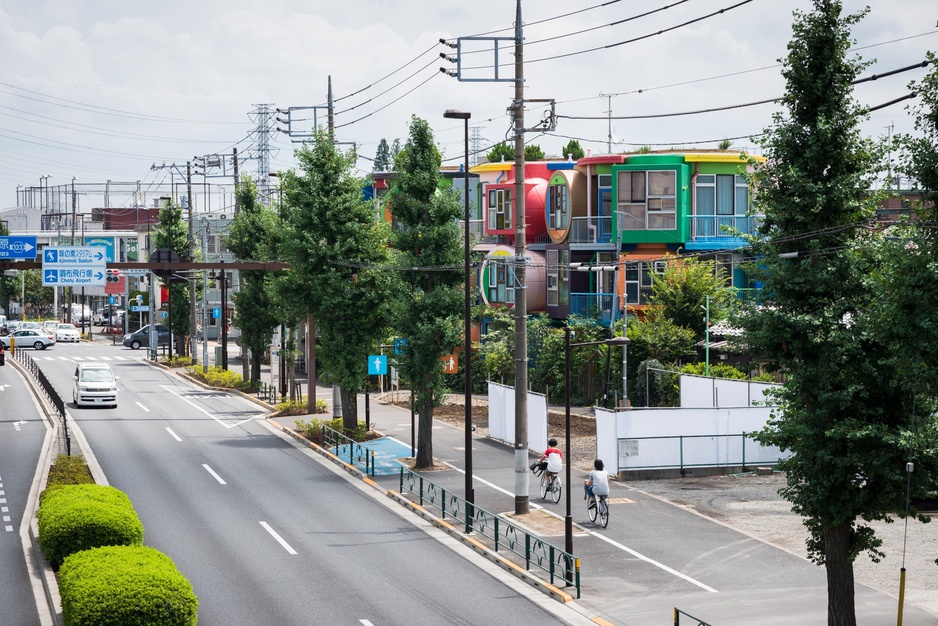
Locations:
{"points": [[554, 592]]}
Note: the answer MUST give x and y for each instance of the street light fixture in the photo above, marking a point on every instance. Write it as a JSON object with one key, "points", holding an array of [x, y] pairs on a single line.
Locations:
{"points": [[453, 114], [568, 519]]}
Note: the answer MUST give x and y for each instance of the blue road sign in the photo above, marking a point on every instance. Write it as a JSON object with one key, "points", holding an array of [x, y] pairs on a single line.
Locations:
{"points": [[110, 300], [399, 345], [138, 308], [216, 312], [377, 365], [17, 247], [164, 314], [73, 265]]}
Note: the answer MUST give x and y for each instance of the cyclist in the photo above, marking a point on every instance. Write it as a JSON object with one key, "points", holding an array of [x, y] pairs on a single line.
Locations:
{"points": [[551, 460], [597, 484]]}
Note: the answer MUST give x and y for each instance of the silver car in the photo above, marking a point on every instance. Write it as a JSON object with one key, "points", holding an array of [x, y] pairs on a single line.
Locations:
{"points": [[28, 338]]}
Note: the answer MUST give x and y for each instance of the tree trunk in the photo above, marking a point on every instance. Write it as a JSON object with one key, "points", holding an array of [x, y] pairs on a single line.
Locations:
{"points": [[349, 408], [256, 357], [840, 586], [424, 433]]}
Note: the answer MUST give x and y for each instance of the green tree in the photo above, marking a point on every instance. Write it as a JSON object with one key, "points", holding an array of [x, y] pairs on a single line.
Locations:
{"points": [[38, 298], [533, 153], [429, 306], [383, 157], [395, 152], [681, 293], [337, 250], [172, 233], [843, 412], [501, 152], [574, 150], [253, 236]]}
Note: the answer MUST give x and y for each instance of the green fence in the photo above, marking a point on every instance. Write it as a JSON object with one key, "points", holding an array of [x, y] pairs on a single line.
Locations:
{"points": [[348, 449], [696, 620], [500, 533]]}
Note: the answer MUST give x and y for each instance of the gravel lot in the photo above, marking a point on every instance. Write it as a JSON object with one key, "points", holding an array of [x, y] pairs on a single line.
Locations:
{"points": [[751, 505]]}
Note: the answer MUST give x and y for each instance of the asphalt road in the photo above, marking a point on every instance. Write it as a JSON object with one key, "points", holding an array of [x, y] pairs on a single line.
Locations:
{"points": [[267, 532], [22, 430]]}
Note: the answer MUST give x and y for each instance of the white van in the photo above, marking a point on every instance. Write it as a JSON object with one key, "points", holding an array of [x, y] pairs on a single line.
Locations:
{"points": [[95, 385]]}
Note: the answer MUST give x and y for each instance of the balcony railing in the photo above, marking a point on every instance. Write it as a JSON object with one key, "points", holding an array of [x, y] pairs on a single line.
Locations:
{"points": [[595, 305], [722, 228], [591, 229]]}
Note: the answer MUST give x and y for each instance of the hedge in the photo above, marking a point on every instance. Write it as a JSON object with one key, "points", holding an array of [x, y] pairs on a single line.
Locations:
{"points": [[122, 585], [79, 517], [67, 470]]}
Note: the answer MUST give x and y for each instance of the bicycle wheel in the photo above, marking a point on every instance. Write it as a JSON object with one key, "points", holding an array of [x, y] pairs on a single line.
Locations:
{"points": [[591, 509], [555, 488], [544, 486], [603, 512]]}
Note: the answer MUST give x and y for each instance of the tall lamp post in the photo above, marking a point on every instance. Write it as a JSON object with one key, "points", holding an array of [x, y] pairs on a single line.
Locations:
{"points": [[453, 114], [568, 519]]}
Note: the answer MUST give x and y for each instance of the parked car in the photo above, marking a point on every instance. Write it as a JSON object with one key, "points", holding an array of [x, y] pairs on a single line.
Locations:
{"points": [[67, 332], [95, 385], [28, 338], [30, 326], [142, 337], [14, 325]]}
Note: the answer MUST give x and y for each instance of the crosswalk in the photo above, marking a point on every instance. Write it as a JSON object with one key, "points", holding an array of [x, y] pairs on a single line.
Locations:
{"points": [[89, 358]]}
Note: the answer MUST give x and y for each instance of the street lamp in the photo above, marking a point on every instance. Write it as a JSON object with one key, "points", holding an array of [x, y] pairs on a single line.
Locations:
{"points": [[453, 114], [568, 520]]}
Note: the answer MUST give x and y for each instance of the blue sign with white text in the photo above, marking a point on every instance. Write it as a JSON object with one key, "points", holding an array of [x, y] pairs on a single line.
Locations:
{"points": [[17, 247], [216, 312], [377, 365]]}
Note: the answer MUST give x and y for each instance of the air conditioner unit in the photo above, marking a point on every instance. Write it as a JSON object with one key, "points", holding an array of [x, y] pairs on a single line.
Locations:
{"points": [[222, 216]]}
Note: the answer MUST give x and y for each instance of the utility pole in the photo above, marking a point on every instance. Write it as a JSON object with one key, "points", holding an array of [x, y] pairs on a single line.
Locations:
{"points": [[245, 355], [191, 242], [521, 300], [609, 115]]}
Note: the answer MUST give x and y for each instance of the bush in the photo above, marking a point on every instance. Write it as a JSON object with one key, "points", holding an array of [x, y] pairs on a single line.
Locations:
{"points": [[177, 361], [312, 430], [78, 517], [300, 407], [218, 377], [118, 585]]}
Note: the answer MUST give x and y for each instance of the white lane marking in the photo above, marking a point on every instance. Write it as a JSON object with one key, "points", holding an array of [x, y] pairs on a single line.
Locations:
{"points": [[9, 529], [273, 533], [106, 358], [4, 509], [64, 358], [91, 358], [365, 622], [655, 563], [6, 518], [49, 358], [142, 407], [212, 415], [212, 472], [175, 436], [603, 537]]}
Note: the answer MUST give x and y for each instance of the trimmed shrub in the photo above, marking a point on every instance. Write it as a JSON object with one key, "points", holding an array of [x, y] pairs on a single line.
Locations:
{"points": [[79, 517], [300, 407], [219, 377], [119, 585]]}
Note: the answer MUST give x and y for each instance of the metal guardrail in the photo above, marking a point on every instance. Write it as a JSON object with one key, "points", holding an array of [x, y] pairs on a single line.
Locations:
{"points": [[501, 534], [739, 460], [355, 452], [57, 403], [677, 618]]}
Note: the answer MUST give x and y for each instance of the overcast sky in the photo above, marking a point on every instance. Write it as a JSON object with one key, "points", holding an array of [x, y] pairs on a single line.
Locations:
{"points": [[103, 89]]}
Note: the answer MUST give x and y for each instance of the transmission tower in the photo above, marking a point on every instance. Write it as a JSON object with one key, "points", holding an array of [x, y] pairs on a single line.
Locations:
{"points": [[263, 117], [475, 141]]}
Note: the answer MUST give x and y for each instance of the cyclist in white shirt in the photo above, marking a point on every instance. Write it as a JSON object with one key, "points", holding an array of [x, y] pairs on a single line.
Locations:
{"points": [[598, 482]]}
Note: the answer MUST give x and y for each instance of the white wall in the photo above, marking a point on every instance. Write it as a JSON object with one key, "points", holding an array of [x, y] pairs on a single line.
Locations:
{"points": [[701, 391], [502, 416]]}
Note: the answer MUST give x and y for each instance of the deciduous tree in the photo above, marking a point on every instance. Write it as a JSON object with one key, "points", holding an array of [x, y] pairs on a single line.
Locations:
{"points": [[429, 306], [172, 233], [843, 412]]}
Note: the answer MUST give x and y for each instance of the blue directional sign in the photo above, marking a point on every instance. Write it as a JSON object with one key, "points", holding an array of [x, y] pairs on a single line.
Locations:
{"points": [[139, 308], [377, 365], [216, 312], [17, 247], [64, 266], [399, 345]]}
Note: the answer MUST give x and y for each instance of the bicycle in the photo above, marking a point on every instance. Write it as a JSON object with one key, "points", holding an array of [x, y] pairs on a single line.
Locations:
{"points": [[550, 483], [598, 507]]}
